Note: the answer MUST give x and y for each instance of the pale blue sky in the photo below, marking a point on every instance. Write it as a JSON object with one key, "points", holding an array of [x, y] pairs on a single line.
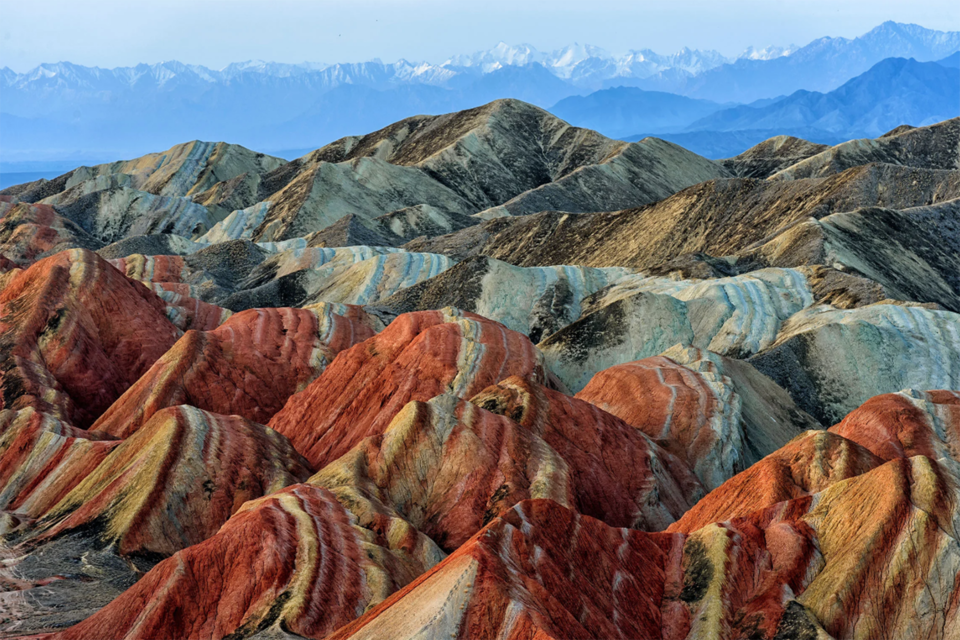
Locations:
{"points": [[110, 33]]}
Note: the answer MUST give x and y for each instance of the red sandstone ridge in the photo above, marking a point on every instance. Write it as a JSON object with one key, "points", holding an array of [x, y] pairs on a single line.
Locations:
{"points": [[858, 558], [29, 231], [718, 414], [42, 460], [176, 480], [152, 269], [75, 334], [249, 366], [448, 467], [418, 356], [807, 465], [539, 571], [619, 475], [292, 561], [164, 276], [886, 427], [909, 423]]}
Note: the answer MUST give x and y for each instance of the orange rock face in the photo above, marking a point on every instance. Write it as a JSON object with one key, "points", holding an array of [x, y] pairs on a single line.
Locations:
{"points": [[796, 569], [75, 334], [620, 475], [717, 414], [910, 423], [176, 480], [419, 356], [164, 275], [539, 571], [291, 560], [249, 366], [42, 460], [809, 464]]}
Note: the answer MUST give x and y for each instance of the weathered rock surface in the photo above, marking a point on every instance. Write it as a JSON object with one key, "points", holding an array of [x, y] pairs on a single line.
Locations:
{"points": [[873, 543], [808, 464], [183, 170], [536, 301], [718, 217], [42, 460], [770, 156], [75, 333], [481, 464], [249, 366], [31, 232], [832, 360], [933, 147], [114, 214], [418, 357], [611, 464], [173, 482], [158, 244], [292, 562], [911, 254], [539, 571], [718, 414], [641, 317], [710, 332], [465, 162]]}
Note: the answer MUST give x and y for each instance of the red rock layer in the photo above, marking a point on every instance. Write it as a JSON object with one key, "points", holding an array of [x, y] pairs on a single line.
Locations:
{"points": [[164, 275], [292, 560], [75, 334], [42, 460], [807, 465], [29, 230], [661, 398], [176, 480], [539, 571], [152, 269], [886, 427], [718, 414], [419, 356], [620, 476], [900, 425], [188, 313], [249, 366], [447, 467], [871, 557]]}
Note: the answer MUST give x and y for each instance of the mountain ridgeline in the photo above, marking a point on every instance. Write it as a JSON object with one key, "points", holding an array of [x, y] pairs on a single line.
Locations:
{"points": [[58, 111], [488, 374]]}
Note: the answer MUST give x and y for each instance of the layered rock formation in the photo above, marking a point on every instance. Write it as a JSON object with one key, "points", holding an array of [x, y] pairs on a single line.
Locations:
{"points": [[249, 366], [718, 414], [291, 562], [228, 425], [640, 317], [718, 217], [76, 334], [31, 232], [832, 360], [419, 356], [175, 481], [536, 301]]}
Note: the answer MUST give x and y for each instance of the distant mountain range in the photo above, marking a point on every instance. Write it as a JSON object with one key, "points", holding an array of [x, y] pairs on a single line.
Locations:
{"points": [[893, 92], [64, 110], [822, 65]]}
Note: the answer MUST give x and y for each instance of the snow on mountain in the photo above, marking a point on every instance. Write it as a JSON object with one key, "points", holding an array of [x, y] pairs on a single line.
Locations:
{"points": [[767, 53]]}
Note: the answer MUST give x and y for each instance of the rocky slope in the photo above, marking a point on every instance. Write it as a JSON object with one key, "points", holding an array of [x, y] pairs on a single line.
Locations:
{"points": [[609, 424]]}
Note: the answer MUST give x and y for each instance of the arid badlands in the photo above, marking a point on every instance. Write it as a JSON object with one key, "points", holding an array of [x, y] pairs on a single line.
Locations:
{"points": [[485, 375]]}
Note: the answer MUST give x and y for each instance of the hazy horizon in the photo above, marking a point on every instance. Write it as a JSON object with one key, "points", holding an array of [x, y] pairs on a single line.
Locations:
{"points": [[216, 33]]}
